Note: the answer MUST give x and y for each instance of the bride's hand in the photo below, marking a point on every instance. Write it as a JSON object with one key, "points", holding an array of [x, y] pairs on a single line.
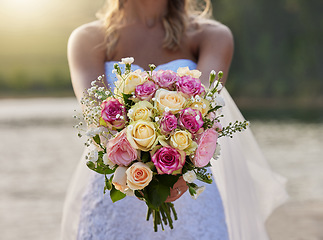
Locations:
{"points": [[180, 187]]}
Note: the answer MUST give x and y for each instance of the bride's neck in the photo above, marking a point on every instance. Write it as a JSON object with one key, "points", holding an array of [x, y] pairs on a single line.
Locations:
{"points": [[147, 12]]}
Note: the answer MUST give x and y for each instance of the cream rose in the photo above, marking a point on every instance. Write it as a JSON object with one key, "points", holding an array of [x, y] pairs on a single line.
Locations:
{"points": [[202, 105], [169, 100], [185, 71], [189, 176], [182, 140], [141, 111], [142, 135], [119, 179], [139, 176], [127, 83]]}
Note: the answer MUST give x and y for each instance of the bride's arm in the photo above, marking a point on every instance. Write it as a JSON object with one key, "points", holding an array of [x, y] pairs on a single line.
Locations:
{"points": [[215, 50], [86, 56], [215, 43]]}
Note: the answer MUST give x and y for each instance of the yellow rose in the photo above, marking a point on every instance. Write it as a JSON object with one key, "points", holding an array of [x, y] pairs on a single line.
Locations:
{"points": [[185, 71], [182, 140], [203, 106], [142, 135], [127, 83], [141, 111], [139, 176], [169, 100]]}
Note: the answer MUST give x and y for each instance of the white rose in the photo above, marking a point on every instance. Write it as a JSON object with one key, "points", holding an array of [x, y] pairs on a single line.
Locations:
{"points": [[189, 176], [119, 179], [107, 161], [199, 190], [127, 60]]}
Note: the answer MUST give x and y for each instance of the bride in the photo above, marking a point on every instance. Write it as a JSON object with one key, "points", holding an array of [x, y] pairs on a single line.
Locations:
{"points": [[170, 34]]}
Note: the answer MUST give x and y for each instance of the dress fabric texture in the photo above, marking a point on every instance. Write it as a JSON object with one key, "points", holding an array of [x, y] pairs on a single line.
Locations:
{"points": [[234, 207]]}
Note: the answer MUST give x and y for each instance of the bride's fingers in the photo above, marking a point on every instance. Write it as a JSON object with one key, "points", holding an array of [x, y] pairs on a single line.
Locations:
{"points": [[180, 187]]}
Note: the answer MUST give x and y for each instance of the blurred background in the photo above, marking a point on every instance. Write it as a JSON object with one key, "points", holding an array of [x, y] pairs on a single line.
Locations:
{"points": [[276, 79]]}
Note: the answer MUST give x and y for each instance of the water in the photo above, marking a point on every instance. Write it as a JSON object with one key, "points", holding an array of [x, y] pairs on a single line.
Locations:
{"points": [[39, 151]]}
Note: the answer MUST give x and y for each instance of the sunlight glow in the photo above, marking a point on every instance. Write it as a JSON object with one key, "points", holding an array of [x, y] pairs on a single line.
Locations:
{"points": [[23, 9]]}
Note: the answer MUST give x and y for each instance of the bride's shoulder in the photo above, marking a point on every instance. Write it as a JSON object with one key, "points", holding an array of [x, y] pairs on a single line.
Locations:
{"points": [[86, 35], [213, 32]]}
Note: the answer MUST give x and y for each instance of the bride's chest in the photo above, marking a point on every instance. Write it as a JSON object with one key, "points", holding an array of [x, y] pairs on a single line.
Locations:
{"points": [[146, 46]]}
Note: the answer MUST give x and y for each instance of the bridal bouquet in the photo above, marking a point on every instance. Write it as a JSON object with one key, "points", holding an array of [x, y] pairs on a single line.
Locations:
{"points": [[155, 128]]}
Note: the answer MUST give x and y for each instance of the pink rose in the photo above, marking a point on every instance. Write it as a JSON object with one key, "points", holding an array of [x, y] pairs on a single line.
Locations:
{"points": [[166, 79], [190, 86], [206, 148], [120, 151], [113, 114], [168, 159], [191, 119], [145, 91], [168, 123]]}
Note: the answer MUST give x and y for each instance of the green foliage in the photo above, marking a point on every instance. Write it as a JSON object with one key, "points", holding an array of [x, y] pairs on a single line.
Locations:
{"points": [[157, 193], [128, 102], [278, 49], [158, 190], [116, 195]]}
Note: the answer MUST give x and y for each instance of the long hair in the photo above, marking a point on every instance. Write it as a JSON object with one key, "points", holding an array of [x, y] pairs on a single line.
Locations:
{"points": [[180, 14]]}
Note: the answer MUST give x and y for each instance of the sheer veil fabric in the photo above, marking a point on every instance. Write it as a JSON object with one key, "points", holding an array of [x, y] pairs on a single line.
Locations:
{"points": [[250, 191]]}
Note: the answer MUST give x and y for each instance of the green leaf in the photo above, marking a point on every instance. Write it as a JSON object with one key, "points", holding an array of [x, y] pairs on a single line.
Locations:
{"points": [[116, 195], [214, 109], [203, 175], [145, 156], [100, 167], [139, 194], [192, 190], [167, 180], [90, 165], [97, 139], [128, 102], [157, 193], [108, 183]]}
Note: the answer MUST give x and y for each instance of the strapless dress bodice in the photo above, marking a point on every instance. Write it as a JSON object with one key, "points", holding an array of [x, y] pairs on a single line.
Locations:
{"points": [[171, 65]]}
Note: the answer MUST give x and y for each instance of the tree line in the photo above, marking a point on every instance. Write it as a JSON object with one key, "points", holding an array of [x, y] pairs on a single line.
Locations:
{"points": [[278, 47]]}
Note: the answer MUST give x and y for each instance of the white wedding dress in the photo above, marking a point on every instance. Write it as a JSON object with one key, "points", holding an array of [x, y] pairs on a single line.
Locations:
{"points": [[234, 207]]}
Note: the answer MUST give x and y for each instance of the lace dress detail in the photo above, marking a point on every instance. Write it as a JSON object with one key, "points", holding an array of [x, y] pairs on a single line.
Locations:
{"points": [[100, 219]]}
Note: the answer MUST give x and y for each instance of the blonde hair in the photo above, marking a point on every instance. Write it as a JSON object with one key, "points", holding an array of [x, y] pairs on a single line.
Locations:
{"points": [[181, 13]]}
